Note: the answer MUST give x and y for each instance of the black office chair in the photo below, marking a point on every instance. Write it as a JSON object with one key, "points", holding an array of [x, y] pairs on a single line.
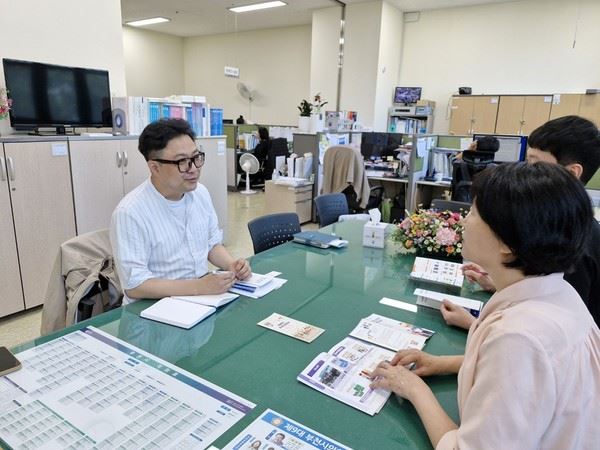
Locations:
{"points": [[375, 197], [330, 207], [450, 205], [273, 230], [278, 147]]}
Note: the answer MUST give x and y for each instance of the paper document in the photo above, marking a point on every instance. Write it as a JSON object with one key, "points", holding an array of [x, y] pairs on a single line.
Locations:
{"points": [[291, 327], [434, 300], [276, 431], [254, 282], [437, 271], [262, 290], [88, 389], [179, 313], [391, 334], [342, 373]]}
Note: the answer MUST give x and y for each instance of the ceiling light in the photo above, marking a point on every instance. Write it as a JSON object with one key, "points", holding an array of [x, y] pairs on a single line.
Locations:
{"points": [[256, 6], [144, 22]]}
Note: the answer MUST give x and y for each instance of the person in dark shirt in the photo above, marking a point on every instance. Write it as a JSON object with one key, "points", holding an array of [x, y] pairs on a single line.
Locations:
{"points": [[573, 142], [262, 148]]}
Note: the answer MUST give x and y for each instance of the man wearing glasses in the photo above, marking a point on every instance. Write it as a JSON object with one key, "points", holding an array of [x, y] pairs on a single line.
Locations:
{"points": [[165, 231]]}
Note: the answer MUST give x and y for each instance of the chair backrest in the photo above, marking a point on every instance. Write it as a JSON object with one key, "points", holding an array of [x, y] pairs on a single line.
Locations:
{"points": [[450, 205], [463, 172], [273, 230], [330, 207], [277, 147], [375, 197]]}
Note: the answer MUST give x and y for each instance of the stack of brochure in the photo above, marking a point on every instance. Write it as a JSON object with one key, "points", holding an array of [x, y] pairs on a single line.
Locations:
{"points": [[343, 372], [258, 285]]}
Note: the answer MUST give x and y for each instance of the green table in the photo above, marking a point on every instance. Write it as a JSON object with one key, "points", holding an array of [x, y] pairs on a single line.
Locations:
{"points": [[332, 289]]}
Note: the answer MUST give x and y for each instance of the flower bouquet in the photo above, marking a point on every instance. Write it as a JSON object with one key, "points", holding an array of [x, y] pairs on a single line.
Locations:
{"points": [[5, 103], [430, 232]]}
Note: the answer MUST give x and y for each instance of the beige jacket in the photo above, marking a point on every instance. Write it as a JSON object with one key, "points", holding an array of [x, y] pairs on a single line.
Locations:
{"points": [[343, 165], [80, 262]]}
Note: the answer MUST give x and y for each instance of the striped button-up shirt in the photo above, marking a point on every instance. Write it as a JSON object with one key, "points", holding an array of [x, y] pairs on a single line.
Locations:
{"points": [[153, 237]]}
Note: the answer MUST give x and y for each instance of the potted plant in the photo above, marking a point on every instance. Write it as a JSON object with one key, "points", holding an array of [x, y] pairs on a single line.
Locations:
{"points": [[317, 119], [305, 109]]}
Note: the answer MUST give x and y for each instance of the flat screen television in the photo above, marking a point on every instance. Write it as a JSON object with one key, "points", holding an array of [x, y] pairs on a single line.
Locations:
{"points": [[47, 95], [407, 95]]}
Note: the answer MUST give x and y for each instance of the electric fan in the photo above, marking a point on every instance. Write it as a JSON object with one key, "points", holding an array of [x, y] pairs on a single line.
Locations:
{"points": [[250, 165]]}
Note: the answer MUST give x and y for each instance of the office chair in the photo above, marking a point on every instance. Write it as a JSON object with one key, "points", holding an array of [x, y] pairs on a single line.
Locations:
{"points": [[330, 207], [273, 230], [375, 197], [463, 172], [278, 147], [450, 205]]}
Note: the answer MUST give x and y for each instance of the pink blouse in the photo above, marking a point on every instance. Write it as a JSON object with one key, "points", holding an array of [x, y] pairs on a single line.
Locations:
{"points": [[531, 374]]}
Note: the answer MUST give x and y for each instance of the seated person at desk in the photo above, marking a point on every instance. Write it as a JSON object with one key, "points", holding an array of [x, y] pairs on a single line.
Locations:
{"points": [[165, 231], [468, 164], [573, 142], [530, 375]]}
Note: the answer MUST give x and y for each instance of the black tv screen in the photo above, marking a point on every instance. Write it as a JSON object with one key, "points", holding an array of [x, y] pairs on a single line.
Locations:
{"points": [[407, 95], [46, 95]]}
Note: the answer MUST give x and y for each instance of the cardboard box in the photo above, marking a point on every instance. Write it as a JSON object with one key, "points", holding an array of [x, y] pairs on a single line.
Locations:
{"points": [[424, 102], [374, 234]]}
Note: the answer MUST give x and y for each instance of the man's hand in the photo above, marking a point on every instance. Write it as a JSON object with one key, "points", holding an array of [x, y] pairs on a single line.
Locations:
{"points": [[456, 315], [217, 283], [476, 274], [240, 268]]}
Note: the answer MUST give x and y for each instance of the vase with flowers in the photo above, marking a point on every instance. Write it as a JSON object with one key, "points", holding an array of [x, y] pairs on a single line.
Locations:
{"points": [[5, 103], [432, 233], [317, 119]]}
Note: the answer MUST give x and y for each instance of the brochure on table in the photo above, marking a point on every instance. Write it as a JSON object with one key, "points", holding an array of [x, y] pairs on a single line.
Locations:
{"points": [[275, 431], [437, 271], [342, 372], [268, 283], [291, 327], [89, 389]]}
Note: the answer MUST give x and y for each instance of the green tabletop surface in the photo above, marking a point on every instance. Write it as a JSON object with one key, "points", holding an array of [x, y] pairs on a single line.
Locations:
{"points": [[330, 288]]}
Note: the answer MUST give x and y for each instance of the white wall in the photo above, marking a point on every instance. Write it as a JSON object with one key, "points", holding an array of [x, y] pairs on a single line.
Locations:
{"points": [[324, 54], [153, 63], [516, 47], [361, 54], [274, 62], [390, 43], [83, 33]]}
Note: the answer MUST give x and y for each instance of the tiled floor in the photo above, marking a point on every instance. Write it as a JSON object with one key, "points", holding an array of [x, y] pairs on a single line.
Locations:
{"points": [[23, 327]]}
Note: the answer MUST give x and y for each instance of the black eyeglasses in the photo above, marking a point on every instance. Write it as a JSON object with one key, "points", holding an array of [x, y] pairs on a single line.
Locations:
{"points": [[185, 164]]}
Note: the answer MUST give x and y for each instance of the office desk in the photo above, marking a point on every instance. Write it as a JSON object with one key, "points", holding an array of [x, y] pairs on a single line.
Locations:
{"points": [[332, 289]]}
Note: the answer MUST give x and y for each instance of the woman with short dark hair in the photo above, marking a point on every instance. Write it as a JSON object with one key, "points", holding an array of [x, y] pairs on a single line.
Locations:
{"points": [[530, 376]]}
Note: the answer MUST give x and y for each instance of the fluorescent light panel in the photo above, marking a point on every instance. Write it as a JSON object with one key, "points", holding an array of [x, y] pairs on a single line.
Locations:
{"points": [[144, 22], [256, 6]]}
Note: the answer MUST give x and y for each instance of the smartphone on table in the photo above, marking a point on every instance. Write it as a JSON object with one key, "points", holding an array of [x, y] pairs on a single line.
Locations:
{"points": [[8, 362]]}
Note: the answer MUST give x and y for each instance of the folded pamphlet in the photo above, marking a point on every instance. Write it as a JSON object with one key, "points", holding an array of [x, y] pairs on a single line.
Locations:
{"points": [[343, 372], [437, 272], [434, 300], [176, 312], [291, 327]]}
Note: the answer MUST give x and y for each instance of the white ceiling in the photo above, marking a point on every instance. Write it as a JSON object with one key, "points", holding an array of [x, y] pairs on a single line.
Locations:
{"points": [[202, 17]]}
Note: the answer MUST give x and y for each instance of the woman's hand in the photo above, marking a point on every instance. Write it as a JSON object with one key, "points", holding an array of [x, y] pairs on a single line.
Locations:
{"points": [[476, 274], [397, 379], [456, 315], [424, 363]]}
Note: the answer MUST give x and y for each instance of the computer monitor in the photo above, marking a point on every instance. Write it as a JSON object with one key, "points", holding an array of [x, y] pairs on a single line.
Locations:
{"points": [[372, 145], [407, 95], [512, 148]]}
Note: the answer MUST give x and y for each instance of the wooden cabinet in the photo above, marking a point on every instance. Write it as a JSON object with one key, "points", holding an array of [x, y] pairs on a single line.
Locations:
{"points": [[565, 105], [103, 172], [473, 114], [11, 299], [521, 114], [589, 107], [42, 209], [281, 198]]}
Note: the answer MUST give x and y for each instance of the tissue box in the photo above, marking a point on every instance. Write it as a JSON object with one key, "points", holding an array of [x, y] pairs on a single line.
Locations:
{"points": [[374, 234]]}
